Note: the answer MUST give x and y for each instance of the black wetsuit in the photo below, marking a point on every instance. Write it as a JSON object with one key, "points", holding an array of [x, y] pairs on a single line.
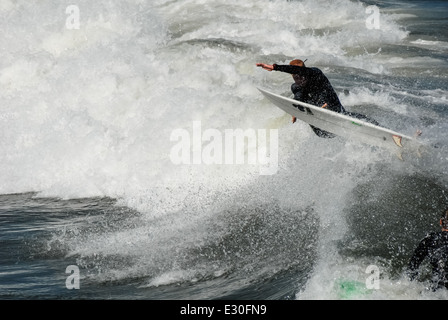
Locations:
{"points": [[313, 87], [434, 247]]}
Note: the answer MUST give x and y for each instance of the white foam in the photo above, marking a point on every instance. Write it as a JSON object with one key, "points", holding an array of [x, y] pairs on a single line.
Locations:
{"points": [[94, 107], [431, 43]]}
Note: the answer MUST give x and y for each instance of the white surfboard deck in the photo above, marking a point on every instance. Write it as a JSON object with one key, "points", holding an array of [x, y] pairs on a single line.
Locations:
{"points": [[343, 125]]}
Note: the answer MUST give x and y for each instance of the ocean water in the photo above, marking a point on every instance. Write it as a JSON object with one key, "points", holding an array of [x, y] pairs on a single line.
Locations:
{"points": [[92, 205]]}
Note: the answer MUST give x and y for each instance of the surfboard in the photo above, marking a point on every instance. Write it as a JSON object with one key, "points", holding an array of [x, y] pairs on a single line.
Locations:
{"points": [[343, 125]]}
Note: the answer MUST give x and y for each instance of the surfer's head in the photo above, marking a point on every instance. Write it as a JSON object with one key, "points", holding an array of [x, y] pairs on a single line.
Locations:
{"points": [[300, 80], [444, 220], [297, 62]]}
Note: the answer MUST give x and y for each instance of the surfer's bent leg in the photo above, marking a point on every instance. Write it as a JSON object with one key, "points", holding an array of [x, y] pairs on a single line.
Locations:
{"points": [[297, 95], [322, 133]]}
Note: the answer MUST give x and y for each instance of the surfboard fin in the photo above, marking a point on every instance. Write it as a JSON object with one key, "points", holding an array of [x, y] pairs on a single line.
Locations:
{"points": [[397, 140]]}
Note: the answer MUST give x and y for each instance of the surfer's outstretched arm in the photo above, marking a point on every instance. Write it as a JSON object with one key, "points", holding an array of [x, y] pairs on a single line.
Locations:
{"points": [[291, 69], [268, 67]]}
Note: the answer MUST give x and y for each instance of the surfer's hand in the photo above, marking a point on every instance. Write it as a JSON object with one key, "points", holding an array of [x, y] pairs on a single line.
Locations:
{"points": [[325, 105], [265, 66], [294, 119]]}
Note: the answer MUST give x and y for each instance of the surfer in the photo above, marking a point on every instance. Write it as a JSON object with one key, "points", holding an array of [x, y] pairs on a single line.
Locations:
{"points": [[434, 247], [313, 87]]}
